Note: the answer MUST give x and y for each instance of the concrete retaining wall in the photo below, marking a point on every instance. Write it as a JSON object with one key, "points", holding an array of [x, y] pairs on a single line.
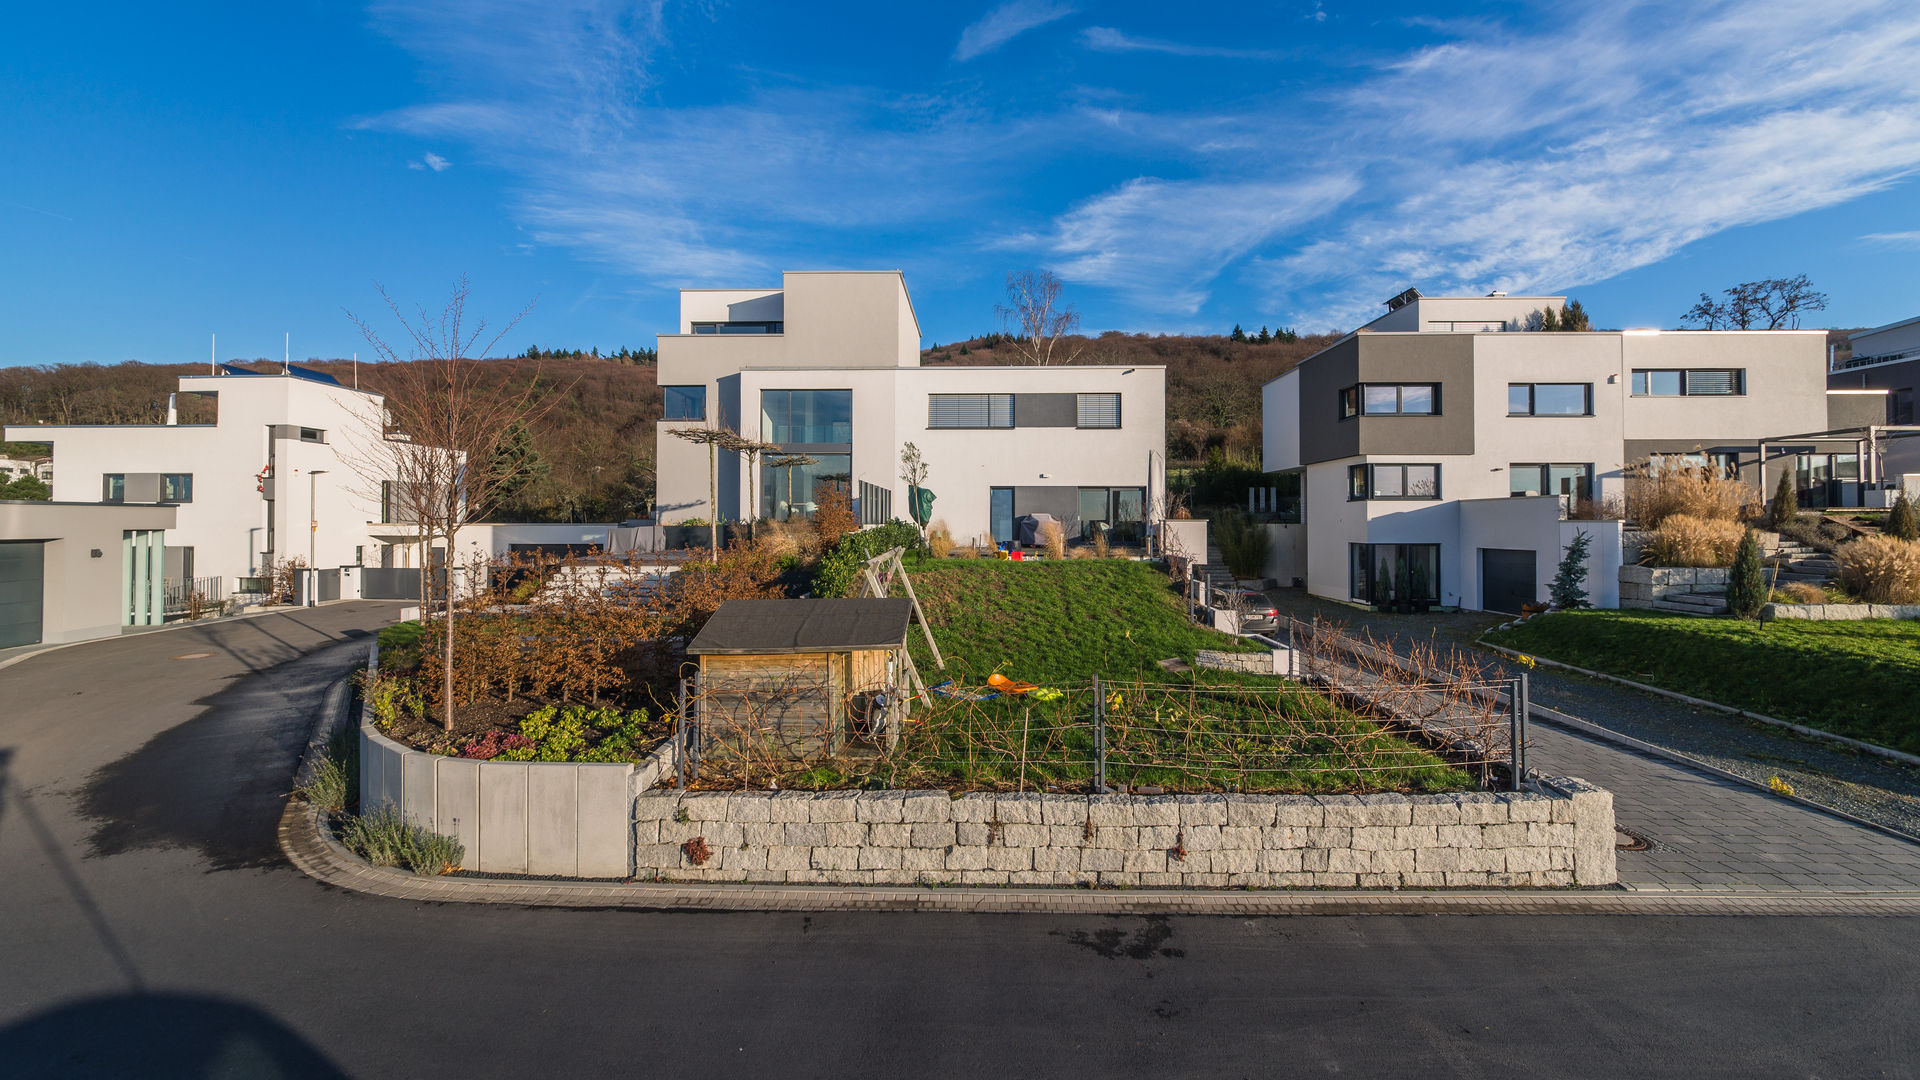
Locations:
{"points": [[1840, 612], [514, 817], [1559, 834]]}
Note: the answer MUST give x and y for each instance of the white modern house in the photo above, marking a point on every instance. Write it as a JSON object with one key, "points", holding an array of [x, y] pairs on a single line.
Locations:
{"points": [[1440, 448], [828, 366], [273, 478], [1886, 360]]}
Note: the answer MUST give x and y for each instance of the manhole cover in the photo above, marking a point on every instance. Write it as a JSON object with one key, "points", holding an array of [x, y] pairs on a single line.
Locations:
{"points": [[1628, 840], [193, 656]]}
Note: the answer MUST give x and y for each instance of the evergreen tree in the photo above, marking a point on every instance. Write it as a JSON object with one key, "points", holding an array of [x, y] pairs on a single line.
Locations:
{"points": [[1574, 317], [1238, 334], [1550, 320], [517, 464], [1747, 589], [1569, 589], [1786, 503], [1903, 523], [1264, 336]]}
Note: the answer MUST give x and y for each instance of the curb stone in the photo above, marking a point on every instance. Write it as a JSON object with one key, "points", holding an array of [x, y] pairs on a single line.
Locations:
{"points": [[311, 847]]}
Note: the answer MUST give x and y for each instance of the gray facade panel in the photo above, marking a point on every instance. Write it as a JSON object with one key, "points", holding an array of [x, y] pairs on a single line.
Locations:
{"points": [[1046, 410], [1858, 410], [1446, 359], [1323, 435]]}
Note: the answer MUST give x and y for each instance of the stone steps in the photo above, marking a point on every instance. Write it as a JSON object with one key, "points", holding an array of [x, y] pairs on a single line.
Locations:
{"points": [[1690, 604]]}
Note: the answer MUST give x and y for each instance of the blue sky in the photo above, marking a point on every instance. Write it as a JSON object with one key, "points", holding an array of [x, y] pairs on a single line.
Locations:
{"points": [[254, 169]]}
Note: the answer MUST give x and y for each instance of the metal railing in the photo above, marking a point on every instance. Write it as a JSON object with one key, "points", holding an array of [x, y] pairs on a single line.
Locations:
{"points": [[178, 593]]}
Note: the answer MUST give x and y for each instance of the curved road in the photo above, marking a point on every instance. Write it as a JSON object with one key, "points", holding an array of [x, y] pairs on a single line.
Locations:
{"points": [[150, 927]]}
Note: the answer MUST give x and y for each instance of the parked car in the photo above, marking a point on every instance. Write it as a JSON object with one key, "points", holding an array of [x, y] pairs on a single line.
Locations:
{"points": [[1257, 613]]}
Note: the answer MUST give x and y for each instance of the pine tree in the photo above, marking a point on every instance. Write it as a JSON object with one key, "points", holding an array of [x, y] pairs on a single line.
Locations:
{"points": [[1903, 523], [1747, 589], [1238, 334], [1264, 336], [1569, 589], [1550, 320], [1786, 503], [516, 462], [1574, 317]]}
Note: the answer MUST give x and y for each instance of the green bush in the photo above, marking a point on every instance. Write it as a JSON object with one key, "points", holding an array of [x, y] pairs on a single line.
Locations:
{"points": [[1747, 582], [390, 696], [1785, 505], [1569, 589], [579, 733], [385, 838], [1244, 544], [336, 780], [839, 568], [401, 645], [1224, 480], [1902, 522]]}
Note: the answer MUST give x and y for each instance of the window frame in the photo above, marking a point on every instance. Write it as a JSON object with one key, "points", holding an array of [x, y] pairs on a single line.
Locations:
{"points": [[993, 403], [1353, 399], [106, 487], [1543, 471], [1533, 399], [769, 428], [667, 398], [1080, 410], [1370, 485], [1640, 382], [166, 480]]}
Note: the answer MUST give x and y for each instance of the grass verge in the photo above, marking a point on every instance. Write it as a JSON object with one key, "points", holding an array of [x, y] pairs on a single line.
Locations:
{"points": [[1849, 678]]}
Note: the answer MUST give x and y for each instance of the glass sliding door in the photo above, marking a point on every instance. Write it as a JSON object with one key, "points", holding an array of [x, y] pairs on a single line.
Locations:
{"points": [[1388, 574], [1000, 514]]}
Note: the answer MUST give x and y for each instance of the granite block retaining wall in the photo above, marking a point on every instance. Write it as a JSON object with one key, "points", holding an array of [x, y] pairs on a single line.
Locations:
{"points": [[1840, 612], [1560, 833], [1640, 586]]}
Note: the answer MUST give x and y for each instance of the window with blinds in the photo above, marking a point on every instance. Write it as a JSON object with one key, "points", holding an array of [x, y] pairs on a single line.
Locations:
{"points": [[969, 410], [1098, 410], [1713, 382]]}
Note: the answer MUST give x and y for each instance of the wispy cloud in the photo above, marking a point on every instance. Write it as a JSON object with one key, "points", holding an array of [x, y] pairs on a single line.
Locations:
{"points": [[1895, 239], [431, 161], [1006, 22], [1107, 39]]}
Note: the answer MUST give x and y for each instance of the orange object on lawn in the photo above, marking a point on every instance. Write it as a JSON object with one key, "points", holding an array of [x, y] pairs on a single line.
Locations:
{"points": [[1008, 686]]}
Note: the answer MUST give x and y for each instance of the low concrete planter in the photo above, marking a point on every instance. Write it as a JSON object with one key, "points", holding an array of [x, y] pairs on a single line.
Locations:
{"points": [[514, 817], [1839, 612], [1559, 834]]}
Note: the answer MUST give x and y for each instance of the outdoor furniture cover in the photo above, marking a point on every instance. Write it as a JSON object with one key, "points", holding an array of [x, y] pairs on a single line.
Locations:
{"points": [[1027, 529]]}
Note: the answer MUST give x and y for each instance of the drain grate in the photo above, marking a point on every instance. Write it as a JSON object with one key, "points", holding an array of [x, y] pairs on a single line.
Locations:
{"points": [[1625, 839]]}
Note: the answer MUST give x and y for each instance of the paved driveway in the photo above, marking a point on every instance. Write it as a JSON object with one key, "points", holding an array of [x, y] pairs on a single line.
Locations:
{"points": [[149, 928]]}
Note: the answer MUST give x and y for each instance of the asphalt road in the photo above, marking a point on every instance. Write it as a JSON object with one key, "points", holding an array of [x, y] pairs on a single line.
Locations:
{"points": [[148, 927]]}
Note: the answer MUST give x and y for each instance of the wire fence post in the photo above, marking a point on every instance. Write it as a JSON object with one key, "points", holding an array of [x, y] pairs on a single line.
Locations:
{"points": [[1520, 741], [1516, 693], [1099, 738], [680, 738]]}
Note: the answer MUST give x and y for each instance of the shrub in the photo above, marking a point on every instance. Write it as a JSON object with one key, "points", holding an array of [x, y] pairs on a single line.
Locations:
{"points": [[1800, 592], [1902, 522], [385, 838], [1569, 589], [1053, 538], [1785, 506], [1684, 540], [1102, 547], [1657, 492], [1747, 583], [939, 539], [336, 779], [833, 514], [839, 568], [1881, 570], [1223, 480], [1244, 544]]}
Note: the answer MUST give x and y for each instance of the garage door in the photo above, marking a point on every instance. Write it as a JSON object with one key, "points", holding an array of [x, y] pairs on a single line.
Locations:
{"points": [[1507, 579], [22, 571]]}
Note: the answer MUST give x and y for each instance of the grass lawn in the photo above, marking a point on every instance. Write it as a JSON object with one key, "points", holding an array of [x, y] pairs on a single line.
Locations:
{"points": [[1060, 623], [1849, 678]]}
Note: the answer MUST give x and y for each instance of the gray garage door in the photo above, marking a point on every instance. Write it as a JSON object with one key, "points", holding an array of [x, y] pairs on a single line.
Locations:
{"points": [[21, 573], [1507, 579]]}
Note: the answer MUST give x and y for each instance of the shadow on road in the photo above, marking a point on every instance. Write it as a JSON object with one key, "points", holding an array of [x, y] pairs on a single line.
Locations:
{"points": [[159, 1036]]}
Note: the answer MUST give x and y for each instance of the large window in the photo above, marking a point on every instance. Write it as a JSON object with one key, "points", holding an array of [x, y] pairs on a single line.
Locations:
{"points": [[1567, 481], [1121, 511], [1386, 574], [1549, 399], [790, 491], [739, 328], [1393, 482], [1097, 410], [969, 410], [1390, 399], [176, 487], [685, 403], [809, 417], [1691, 382]]}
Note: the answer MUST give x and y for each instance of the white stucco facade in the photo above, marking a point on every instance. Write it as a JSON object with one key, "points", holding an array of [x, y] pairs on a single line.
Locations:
{"points": [[856, 333]]}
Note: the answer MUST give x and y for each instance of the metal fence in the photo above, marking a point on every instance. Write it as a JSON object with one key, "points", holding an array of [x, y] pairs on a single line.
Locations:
{"points": [[179, 593]]}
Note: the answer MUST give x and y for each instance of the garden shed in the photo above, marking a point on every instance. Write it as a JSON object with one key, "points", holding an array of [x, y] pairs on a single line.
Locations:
{"points": [[797, 677]]}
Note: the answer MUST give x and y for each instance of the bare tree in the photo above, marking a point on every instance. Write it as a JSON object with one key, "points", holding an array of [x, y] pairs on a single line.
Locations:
{"points": [[913, 469], [444, 424], [1769, 304], [1035, 318]]}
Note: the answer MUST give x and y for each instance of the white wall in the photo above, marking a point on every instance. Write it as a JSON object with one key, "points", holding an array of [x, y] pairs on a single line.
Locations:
{"points": [[1785, 391], [1514, 524], [1500, 441], [1280, 422], [1892, 339], [729, 305]]}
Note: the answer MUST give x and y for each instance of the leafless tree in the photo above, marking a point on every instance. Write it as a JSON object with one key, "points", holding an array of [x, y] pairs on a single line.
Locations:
{"points": [[443, 425], [716, 439], [1036, 320], [1769, 304]]}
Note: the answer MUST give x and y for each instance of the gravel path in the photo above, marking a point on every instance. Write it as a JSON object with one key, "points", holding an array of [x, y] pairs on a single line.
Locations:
{"points": [[1881, 791]]}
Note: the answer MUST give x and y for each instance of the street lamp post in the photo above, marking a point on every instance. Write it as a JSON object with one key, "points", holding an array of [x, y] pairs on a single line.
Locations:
{"points": [[313, 531]]}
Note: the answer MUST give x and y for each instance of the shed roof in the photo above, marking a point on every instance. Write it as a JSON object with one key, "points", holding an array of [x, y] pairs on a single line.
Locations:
{"points": [[790, 626]]}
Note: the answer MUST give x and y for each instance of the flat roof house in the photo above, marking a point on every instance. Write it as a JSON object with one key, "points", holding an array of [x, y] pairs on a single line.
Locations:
{"points": [[1885, 362], [828, 366], [1440, 447]]}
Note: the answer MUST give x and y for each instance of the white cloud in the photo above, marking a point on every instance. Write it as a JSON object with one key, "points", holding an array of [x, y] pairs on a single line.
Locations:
{"points": [[1107, 39], [1006, 22], [436, 162], [1895, 239]]}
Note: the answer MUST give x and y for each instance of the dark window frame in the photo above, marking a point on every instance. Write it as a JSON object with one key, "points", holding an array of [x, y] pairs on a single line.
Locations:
{"points": [[991, 403], [166, 482], [1369, 595], [1353, 399], [1640, 382], [1533, 400], [667, 413], [1543, 471], [1370, 486], [106, 487], [1079, 414]]}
